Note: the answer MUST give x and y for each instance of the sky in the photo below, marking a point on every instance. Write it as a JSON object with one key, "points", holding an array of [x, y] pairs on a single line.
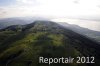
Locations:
{"points": [[87, 11], [83, 9], [90, 24]]}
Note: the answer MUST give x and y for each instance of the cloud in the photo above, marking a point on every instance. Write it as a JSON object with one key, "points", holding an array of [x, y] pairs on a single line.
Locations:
{"points": [[7, 12], [57, 8], [26, 2], [98, 6], [76, 1], [3, 12]]}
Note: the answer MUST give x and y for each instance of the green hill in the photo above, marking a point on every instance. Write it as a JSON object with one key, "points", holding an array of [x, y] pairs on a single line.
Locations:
{"points": [[23, 45]]}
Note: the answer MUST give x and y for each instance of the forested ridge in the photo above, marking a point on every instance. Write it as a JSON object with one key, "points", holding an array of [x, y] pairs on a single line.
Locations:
{"points": [[22, 45]]}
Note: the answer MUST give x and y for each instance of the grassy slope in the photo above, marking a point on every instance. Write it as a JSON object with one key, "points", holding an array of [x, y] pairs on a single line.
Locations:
{"points": [[39, 39]]}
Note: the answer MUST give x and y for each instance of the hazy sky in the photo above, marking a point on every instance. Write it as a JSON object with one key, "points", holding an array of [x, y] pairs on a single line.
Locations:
{"points": [[90, 24], [85, 13], [83, 9]]}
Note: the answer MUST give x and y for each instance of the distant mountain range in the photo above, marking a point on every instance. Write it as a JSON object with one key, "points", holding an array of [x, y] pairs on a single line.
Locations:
{"points": [[84, 31], [18, 21], [22, 45]]}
